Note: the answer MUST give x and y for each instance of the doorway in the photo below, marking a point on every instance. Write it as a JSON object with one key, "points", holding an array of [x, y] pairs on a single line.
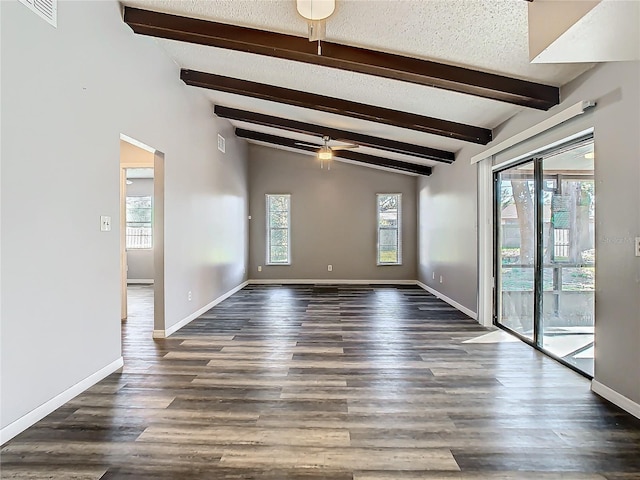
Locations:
{"points": [[142, 232], [544, 250]]}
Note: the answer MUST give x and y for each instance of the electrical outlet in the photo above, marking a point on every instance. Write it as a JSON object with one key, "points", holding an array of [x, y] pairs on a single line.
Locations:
{"points": [[440, 278], [259, 268], [637, 246], [330, 268], [189, 296]]}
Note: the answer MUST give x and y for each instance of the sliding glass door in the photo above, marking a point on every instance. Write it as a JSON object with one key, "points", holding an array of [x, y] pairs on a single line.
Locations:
{"points": [[545, 252], [515, 188]]}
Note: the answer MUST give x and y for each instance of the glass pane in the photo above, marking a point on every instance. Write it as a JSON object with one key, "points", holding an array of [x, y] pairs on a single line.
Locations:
{"points": [[279, 237], [138, 215], [569, 257], [388, 237], [278, 202], [389, 219], [138, 219], [139, 237], [388, 203], [388, 254], [279, 219], [139, 202], [279, 254], [516, 248]]}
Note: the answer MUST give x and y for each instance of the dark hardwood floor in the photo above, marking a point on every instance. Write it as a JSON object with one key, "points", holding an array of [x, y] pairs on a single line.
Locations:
{"points": [[334, 382]]}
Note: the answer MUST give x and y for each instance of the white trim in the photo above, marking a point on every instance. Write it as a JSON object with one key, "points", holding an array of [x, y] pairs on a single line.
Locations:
{"points": [[177, 326], [485, 244], [327, 281], [134, 281], [37, 414], [543, 126], [398, 229], [616, 398], [267, 197], [158, 334], [137, 143], [514, 160], [450, 301]]}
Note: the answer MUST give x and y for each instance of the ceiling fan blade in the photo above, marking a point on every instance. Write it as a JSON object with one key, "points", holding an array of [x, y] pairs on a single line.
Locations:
{"points": [[303, 144], [344, 147]]}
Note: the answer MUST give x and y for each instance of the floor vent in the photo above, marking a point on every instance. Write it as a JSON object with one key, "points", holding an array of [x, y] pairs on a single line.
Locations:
{"points": [[47, 9]]}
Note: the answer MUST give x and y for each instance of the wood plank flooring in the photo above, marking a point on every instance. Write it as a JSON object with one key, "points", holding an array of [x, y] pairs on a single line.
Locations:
{"points": [[333, 382]]}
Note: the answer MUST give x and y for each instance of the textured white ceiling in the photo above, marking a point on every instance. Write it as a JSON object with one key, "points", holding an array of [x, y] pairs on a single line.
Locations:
{"points": [[332, 82], [489, 35], [318, 141]]}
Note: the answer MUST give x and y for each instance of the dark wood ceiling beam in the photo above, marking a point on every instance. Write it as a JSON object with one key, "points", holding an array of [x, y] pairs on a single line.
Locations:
{"points": [[435, 126], [335, 134], [344, 154], [371, 62]]}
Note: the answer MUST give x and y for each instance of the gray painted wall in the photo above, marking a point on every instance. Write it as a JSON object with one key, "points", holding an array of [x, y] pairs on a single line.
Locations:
{"points": [[333, 217], [447, 231], [616, 122], [140, 261], [67, 95]]}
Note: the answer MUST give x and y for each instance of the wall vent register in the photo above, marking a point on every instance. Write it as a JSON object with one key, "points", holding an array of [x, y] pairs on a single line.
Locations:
{"points": [[46, 9]]}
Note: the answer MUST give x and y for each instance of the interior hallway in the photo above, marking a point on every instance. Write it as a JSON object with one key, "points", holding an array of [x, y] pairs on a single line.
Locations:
{"points": [[336, 382]]}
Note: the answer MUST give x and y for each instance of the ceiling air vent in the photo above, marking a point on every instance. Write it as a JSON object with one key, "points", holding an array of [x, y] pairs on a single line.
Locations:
{"points": [[47, 9]]}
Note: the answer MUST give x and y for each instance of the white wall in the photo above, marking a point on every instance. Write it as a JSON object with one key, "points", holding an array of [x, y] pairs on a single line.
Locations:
{"points": [[67, 95], [616, 123]]}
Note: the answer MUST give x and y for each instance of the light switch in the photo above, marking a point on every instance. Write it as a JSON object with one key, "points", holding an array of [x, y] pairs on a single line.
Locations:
{"points": [[105, 223], [637, 246]]}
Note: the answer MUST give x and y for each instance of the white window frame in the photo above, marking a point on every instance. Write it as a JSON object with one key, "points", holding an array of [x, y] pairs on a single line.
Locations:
{"points": [[126, 222], [269, 228], [399, 229]]}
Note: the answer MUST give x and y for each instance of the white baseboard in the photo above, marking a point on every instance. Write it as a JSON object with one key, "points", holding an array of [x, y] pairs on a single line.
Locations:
{"points": [[139, 281], [450, 301], [177, 326], [158, 334], [37, 414], [328, 281], [616, 398]]}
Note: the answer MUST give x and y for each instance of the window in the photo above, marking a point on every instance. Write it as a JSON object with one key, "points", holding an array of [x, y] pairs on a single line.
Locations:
{"points": [[389, 240], [139, 229], [278, 229]]}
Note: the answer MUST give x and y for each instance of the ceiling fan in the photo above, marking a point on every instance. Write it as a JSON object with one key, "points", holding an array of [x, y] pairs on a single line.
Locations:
{"points": [[316, 12], [325, 152]]}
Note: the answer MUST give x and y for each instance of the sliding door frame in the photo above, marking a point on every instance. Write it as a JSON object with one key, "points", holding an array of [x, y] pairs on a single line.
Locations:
{"points": [[538, 176]]}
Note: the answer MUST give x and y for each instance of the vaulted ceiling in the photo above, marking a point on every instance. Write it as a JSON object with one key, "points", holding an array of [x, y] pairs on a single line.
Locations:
{"points": [[410, 81]]}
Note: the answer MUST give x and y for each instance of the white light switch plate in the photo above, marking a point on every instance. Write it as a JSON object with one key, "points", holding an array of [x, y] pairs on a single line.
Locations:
{"points": [[637, 246], [105, 223]]}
